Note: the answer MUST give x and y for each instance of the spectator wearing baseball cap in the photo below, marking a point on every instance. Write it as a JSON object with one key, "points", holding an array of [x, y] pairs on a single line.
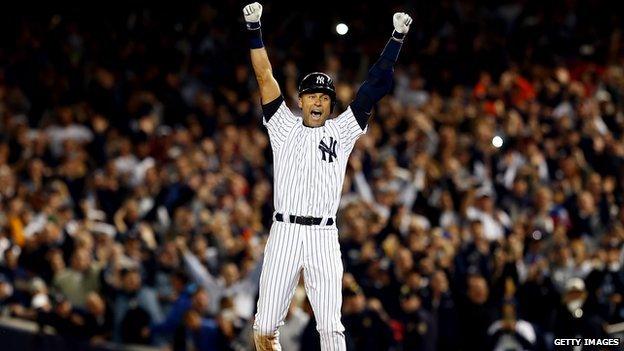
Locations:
{"points": [[573, 318], [494, 221], [605, 284]]}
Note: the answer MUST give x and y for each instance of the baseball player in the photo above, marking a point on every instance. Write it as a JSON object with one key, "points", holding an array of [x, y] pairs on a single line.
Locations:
{"points": [[310, 159]]}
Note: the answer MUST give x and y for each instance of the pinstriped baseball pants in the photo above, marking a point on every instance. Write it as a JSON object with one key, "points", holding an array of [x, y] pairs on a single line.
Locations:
{"points": [[291, 249]]}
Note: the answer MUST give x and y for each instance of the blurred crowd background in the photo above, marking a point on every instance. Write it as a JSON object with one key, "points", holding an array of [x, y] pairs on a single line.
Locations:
{"points": [[483, 210]]}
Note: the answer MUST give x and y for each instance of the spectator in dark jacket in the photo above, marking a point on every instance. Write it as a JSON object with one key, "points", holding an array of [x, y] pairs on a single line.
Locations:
{"points": [[135, 308], [198, 332], [605, 285], [573, 319], [366, 328], [439, 301], [98, 318], [179, 307], [476, 314], [420, 331], [537, 297]]}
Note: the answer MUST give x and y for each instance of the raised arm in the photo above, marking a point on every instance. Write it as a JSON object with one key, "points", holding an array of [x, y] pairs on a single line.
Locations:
{"points": [[199, 274], [269, 89], [379, 80]]}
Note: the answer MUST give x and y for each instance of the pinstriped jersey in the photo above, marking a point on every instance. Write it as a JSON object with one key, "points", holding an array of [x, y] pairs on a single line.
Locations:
{"points": [[309, 164]]}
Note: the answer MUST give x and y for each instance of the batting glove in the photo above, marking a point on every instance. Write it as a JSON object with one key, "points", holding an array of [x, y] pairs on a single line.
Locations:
{"points": [[401, 21], [252, 13]]}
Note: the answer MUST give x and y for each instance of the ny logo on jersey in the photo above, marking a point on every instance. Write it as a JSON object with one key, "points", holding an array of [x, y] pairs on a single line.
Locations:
{"points": [[320, 80], [328, 151]]}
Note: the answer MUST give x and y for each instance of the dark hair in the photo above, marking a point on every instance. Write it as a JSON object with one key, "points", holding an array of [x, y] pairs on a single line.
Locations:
{"points": [[127, 270], [181, 276]]}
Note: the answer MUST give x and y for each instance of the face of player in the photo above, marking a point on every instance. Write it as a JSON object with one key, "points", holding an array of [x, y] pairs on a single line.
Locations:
{"points": [[316, 108]]}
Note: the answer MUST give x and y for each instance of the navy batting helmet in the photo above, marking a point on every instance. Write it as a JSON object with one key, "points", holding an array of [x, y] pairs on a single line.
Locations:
{"points": [[318, 82]]}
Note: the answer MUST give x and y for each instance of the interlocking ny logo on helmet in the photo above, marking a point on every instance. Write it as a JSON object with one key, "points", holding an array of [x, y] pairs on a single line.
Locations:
{"points": [[318, 82]]}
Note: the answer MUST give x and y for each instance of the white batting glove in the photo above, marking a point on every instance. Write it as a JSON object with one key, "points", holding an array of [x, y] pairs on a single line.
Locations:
{"points": [[252, 12], [401, 21]]}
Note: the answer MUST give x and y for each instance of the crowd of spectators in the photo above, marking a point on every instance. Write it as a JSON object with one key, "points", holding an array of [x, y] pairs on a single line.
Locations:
{"points": [[483, 210]]}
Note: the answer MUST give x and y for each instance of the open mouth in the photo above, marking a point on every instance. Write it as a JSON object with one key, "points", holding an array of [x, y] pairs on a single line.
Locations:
{"points": [[316, 114]]}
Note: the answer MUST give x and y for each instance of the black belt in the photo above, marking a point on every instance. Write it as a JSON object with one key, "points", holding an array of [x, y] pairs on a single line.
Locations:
{"points": [[303, 220]]}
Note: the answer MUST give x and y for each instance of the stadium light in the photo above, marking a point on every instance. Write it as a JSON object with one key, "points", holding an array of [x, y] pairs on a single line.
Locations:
{"points": [[342, 28], [497, 141]]}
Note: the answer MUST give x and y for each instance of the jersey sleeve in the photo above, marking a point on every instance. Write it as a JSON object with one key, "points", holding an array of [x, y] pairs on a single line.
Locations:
{"points": [[349, 129], [278, 120]]}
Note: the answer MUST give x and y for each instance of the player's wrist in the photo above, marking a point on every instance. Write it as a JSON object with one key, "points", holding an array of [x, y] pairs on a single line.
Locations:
{"points": [[255, 36], [253, 25], [398, 36]]}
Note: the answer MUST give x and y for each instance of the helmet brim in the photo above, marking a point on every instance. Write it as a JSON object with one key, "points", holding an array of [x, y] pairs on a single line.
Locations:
{"points": [[318, 89]]}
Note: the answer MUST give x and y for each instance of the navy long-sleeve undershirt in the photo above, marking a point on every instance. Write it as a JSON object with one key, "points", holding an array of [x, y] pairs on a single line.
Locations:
{"points": [[377, 84]]}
